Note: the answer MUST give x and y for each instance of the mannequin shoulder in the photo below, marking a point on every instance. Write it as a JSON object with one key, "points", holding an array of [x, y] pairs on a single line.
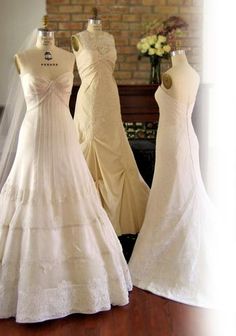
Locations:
{"points": [[21, 59], [79, 39], [75, 42], [167, 80]]}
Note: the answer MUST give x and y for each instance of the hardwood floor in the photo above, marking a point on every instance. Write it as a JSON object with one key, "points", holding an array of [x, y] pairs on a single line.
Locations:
{"points": [[146, 315]]}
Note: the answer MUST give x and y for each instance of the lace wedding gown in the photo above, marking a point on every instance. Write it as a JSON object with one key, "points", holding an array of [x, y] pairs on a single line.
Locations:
{"points": [[59, 253], [174, 253], [101, 133]]}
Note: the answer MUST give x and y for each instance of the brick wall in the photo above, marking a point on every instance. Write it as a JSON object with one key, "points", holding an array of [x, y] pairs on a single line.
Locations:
{"points": [[124, 19]]}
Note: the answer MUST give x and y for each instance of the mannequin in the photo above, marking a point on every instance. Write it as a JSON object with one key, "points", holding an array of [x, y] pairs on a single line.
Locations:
{"points": [[174, 253], [179, 77], [100, 130], [45, 59], [94, 26], [59, 253]]}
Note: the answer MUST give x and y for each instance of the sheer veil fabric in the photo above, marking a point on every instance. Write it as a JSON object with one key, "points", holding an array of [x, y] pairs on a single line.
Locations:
{"points": [[13, 114]]}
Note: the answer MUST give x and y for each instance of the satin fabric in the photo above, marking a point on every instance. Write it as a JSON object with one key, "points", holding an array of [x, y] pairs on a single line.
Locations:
{"points": [[102, 136]]}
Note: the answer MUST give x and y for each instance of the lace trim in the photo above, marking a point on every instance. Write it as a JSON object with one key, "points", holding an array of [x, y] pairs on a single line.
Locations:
{"points": [[103, 42], [35, 305]]}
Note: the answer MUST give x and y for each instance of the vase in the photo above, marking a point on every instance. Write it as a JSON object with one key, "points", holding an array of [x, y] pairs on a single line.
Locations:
{"points": [[155, 73]]}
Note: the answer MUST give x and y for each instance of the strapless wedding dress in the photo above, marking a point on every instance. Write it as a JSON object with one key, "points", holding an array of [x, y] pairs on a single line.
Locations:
{"points": [[174, 255], [59, 253]]}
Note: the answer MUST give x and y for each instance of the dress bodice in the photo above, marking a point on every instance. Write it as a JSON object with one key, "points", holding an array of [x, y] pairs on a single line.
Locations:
{"points": [[36, 88], [172, 111], [97, 53]]}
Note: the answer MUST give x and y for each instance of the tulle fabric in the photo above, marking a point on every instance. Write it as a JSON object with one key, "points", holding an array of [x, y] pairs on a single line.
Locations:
{"points": [[13, 115], [59, 253]]}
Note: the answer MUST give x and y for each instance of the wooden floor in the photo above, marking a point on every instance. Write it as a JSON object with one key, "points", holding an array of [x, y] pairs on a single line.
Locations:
{"points": [[146, 315]]}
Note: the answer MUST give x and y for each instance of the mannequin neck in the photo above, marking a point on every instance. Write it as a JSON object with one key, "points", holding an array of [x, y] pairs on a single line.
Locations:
{"points": [[178, 57], [94, 26], [45, 40]]}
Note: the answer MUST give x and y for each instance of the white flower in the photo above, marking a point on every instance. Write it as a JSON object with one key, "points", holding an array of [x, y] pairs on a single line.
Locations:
{"points": [[158, 45], [152, 39], [167, 48], [144, 47], [151, 51], [139, 45], [160, 52], [161, 39]]}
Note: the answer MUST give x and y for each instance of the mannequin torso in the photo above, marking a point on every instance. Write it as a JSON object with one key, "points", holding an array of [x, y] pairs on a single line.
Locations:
{"points": [[94, 27], [181, 81], [45, 59]]}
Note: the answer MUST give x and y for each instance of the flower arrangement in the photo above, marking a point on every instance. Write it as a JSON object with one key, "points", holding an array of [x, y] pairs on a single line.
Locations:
{"points": [[154, 45], [159, 39]]}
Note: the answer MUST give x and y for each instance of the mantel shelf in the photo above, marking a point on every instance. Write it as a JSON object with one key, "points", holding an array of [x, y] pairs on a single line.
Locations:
{"points": [[137, 102]]}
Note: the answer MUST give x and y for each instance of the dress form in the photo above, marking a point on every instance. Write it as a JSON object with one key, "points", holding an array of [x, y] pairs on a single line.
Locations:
{"points": [[45, 59], [94, 25], [50, 206], [181, 81], [101, 133]]}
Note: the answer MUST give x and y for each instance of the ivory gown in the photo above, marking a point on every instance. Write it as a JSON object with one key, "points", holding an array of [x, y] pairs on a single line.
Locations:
{"points": [[59, 253], [102, 136], [174, 255]]}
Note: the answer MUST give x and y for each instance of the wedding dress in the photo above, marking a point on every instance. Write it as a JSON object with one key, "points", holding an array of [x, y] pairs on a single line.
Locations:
{"points": [[59, 253], [101, 134], [175, 252]]}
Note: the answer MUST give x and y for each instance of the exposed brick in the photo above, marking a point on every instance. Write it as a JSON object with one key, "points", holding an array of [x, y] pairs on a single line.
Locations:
{"points": [[140, 74], [135, 2], [119, 25], [120, 41], [58, 17], [120, 58], [120, 9], [144, 66], [123, 74], [79, 17], [131, 17], [140, 9], [154, 2], [56, 2], [128, 66], [132, 58], [126, 50], [170, 10], [106, 2], [53, 26], [70, 26], [135, 26], [51, 9], [82, 2], [114, 17], [176, 2], [63, 34], [70, 9], [126, 20], [187, 2], [190, 9]]}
